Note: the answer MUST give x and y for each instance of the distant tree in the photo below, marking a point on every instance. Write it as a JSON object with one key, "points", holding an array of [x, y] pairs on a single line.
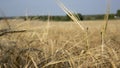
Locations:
{"points": [[80, 16], [67, 18], [118, 13], [0, 18], [111, 16]]}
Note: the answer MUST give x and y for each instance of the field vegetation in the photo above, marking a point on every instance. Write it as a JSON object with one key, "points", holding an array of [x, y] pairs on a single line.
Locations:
{"points": [[60, 44]]}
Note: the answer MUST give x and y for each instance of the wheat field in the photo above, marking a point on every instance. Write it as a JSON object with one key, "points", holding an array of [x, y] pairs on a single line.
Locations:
{"points": [[51, 44]]}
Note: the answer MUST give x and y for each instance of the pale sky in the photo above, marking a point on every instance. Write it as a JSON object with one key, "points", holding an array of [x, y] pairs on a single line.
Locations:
{"points": [[45, 7]]}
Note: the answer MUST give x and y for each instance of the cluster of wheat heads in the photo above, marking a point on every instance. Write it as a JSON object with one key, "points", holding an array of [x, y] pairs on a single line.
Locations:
{"points": [[57, 45]]}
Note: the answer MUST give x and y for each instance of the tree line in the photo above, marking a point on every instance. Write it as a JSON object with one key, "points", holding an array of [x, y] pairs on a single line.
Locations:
{"points": [[67, 18], [53, 18]]}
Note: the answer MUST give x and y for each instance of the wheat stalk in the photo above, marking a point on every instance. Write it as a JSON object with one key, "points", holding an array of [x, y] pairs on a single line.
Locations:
{"points": [[70, 14], [103, 33]]}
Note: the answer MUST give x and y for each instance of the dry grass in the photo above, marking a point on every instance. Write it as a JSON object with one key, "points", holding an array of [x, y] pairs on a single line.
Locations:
{"points": [[59, 45]]}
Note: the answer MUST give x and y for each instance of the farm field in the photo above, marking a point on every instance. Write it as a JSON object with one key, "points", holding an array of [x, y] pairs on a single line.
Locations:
{"points": [[58, 44]]}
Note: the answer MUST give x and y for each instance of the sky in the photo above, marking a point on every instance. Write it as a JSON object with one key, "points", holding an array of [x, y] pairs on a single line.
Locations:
{"points": [[45, 7]]}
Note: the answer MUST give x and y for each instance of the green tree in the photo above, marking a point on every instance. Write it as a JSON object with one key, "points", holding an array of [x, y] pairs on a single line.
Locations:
{"points": [[118, 13], [111, 16], [80, 16]]}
